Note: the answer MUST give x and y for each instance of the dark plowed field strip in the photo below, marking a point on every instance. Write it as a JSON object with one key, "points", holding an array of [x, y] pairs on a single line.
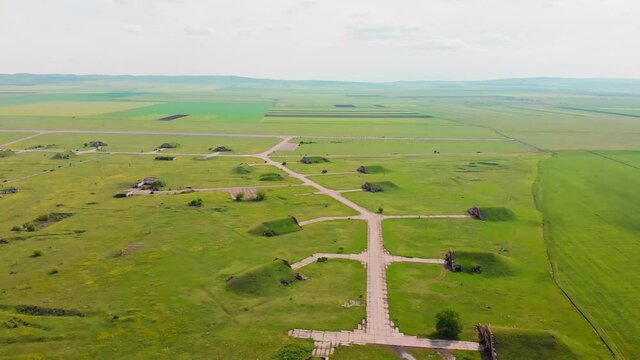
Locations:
{"points": [[364, 116], [173, 117]]}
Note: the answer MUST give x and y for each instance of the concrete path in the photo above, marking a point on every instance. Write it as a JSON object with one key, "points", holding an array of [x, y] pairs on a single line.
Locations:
{"points": [[393, 258], [326, 341], [378, 327], [330, 218], [21, 139], [314, 258], [425, 217]]}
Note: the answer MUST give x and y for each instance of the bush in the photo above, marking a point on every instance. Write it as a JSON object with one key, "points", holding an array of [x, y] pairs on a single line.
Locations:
{"points": [[260, 195], [293, 352], [448, 324], [195, 203], [239, 196], [36, 253], [29, 227], [16, 228]]}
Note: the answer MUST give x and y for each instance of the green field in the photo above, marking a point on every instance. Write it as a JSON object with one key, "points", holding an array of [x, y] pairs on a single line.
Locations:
{"points": [[145, 143], [552, 164], [591, 206]]}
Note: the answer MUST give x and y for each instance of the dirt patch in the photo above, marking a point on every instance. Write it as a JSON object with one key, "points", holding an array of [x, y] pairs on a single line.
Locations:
{"points": [[173, 117], [127, 250], [250, 194], [288, 146]]}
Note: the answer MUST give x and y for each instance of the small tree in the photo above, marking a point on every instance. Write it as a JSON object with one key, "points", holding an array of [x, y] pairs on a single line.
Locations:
{"points": [[239, 196], [195, 203], [448, 324], [380, 210], [260, 195]]}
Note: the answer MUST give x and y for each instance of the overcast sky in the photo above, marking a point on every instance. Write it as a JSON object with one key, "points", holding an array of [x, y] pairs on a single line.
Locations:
{"points": [[371, 40]]}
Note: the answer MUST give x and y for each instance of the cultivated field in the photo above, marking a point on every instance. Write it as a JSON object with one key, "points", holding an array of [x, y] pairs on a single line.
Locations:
{"points": [[268, 247]]}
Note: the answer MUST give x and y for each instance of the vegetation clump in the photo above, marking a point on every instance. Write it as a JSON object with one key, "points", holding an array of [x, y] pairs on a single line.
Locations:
{"points": [[293, 352], [64, 155], [165, 158], [195, 203], [42, 221], [448, 324], [271, 177], [314, 160], [6, 153], [242, 169]]}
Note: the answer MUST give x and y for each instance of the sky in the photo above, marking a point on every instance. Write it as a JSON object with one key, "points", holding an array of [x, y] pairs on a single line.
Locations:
{"points": [[355, 40]]}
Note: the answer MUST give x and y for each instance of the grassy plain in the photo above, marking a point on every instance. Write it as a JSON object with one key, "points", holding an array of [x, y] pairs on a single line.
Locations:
{"points": [[431, 184], [591, 206], [145, 143], [154, 267], [376, 147], [69, 108]]}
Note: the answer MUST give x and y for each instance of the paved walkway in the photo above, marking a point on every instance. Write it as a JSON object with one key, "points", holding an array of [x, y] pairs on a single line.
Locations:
{"points": [[330, 218], [313, 258], [378, 327]]}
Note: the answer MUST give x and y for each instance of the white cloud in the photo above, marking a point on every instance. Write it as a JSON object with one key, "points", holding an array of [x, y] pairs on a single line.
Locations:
{"points": [[132, 29], [197, 30], [324, 39], [408, 36]]}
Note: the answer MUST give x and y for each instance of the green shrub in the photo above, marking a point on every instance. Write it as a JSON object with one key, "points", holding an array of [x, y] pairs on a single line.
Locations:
{"points": [[64, 155], [195, 203], [260, 195], [314, 160], [293, 352], [36, 253], [6, 153], [242, 169], [448, 324], [239, 196]]}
